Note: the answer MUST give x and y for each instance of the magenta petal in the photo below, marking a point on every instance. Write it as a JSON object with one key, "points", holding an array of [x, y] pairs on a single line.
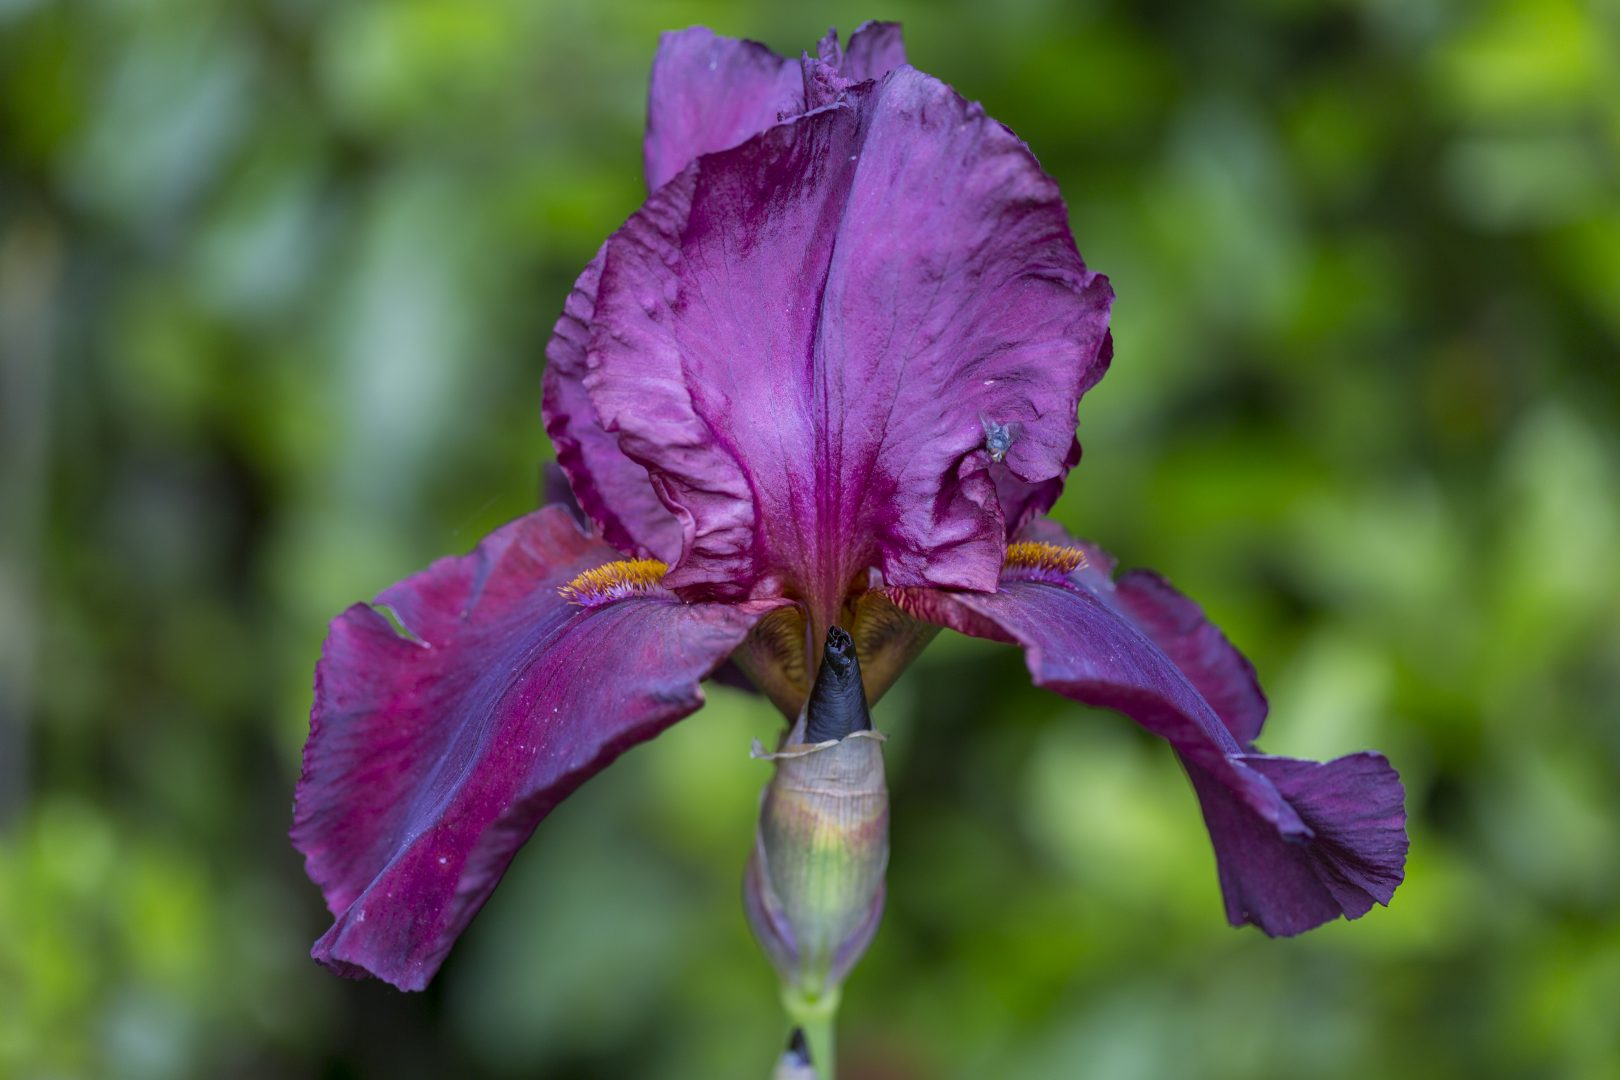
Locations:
{"points": [[710, 92], [434, 753], [1220, 673], [875, 49], [802, 339], [1021, 501], [1296, 842], [1216, 669], [1078, 645], [1353, 807], [614, 492], [707, 93]]}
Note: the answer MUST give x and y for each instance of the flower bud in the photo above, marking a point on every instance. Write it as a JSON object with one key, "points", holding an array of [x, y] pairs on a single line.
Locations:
{"points": [[814, 889]]}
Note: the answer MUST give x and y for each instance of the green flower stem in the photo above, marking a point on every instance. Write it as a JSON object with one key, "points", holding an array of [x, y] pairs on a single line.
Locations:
{"points": [[818, 1016]]}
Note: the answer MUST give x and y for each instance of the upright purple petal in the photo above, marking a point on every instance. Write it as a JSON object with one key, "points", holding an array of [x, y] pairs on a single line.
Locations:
{"points": [[614, 492], [710, 92], [707, 93], [1022, 501], [875, 49], [802, 339], [1296, 842], [433, 753]]}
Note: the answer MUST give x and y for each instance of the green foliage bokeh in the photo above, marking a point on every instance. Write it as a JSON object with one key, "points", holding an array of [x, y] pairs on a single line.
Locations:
{"points": [[275, 280]]}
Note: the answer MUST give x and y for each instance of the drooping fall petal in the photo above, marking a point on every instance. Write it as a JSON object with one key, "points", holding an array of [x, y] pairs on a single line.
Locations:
{"points": [[1172, 621], [1297, 843], [801, 338], [1215, 668], [1355, 856], [434, 753]]}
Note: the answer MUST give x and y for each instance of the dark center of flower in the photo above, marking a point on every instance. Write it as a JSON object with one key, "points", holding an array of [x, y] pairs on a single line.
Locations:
{"points": [[837, 701]]}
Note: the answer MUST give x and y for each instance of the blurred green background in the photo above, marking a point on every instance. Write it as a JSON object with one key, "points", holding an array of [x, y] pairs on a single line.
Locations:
{"points": [[275, 280]]}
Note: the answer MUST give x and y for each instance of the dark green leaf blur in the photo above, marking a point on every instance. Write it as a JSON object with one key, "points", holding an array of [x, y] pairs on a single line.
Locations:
{"points": [[275, 281]]}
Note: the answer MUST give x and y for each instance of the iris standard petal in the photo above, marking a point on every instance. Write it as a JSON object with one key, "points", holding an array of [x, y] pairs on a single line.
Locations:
{"points": [[1296, 842], [1023, 502], [710, 92], [803, 338], [434, 752], [707, 93], [874, 50], [614, 492]]}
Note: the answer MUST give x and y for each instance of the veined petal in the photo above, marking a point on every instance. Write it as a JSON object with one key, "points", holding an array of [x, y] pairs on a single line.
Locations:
{"points": [[1216, 669], [1297, 843], [710, 92], [707, 93], [435, 752], [1356, 854], [1220, 673], [803, 339], [614, 492]]}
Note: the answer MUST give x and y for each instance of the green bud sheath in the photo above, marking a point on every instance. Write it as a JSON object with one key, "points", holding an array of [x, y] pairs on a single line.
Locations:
{"points": [[814, 888]]}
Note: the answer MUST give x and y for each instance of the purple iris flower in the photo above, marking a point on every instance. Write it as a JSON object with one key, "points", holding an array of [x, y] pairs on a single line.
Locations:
{"points": [[826, 375]]}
